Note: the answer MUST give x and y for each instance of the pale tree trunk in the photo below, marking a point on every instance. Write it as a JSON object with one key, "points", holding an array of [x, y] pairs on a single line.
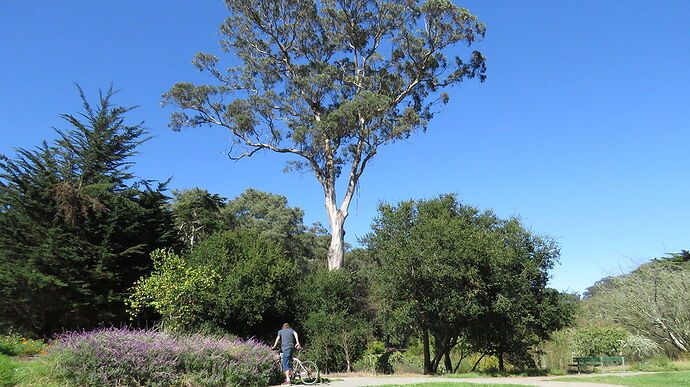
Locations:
{"points": [[675, 340], [327, 178], [336, 250], [346, 349], [336, 219]]}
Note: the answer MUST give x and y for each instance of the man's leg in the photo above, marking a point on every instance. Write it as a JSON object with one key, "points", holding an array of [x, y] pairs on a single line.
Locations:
{"points": [[287, 363]]}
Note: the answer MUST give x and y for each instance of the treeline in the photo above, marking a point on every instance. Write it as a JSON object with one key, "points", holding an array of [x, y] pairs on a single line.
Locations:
{"points": [[84, 243]]}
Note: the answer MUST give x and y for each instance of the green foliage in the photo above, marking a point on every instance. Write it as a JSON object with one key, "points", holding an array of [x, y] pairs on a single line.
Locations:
{"points": [[377, 360], [449, 270], [269, 216], [599, 341], [254, 293], [307, 62], [15, 345], [266, 214], [234, 281], [75, 231], [175, 289], [197, 214], [557, 352], [329, 307]]}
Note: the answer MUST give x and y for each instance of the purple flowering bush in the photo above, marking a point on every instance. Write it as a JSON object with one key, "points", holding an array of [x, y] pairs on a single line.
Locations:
{"points": [[121, 356]]}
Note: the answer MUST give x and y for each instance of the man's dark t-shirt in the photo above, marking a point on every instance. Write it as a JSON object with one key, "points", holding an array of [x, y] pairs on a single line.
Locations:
{"points": [[287, 338]]}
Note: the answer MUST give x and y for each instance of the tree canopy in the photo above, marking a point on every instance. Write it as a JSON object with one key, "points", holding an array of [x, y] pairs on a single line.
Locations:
{"points": [[329, 82], [449, 271]]}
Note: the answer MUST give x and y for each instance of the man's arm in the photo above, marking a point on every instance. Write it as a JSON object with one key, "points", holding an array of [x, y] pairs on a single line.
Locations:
{"points": [[298, 346], [276, 343]]}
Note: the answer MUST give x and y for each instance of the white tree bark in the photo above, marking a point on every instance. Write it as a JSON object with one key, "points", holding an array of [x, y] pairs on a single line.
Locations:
{"points": [[336, 220]]}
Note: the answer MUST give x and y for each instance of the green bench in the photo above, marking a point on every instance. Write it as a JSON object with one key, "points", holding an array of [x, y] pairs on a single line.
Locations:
{"points": [[596, 361]]}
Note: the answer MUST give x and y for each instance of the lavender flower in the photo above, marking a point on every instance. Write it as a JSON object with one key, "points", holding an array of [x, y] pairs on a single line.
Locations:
{"points": [[121, 356]]}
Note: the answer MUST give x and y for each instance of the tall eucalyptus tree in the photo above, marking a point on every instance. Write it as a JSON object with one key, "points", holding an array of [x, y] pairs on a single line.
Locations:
{"points": [[329, 82]]}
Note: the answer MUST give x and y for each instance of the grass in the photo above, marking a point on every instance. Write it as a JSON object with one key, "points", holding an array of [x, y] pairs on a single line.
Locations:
{"points": [[660, 379], [660, 364], [8, 375], [454, 384], [27, 372], [529, 372], [15, 345]]}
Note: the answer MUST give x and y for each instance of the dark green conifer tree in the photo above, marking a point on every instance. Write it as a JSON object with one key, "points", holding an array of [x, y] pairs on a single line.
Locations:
{"points": [[76, 230]]}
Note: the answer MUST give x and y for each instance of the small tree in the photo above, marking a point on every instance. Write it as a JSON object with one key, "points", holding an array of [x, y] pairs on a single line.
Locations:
{"points": [[175, 290], [599, 341], [329, 82]]}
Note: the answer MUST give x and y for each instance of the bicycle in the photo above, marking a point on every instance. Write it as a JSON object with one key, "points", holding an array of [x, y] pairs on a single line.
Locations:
{"points": [[305, 371]]}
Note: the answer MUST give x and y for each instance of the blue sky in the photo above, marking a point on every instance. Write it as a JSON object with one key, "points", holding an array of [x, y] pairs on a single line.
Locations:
{"points": [[581, 127]]}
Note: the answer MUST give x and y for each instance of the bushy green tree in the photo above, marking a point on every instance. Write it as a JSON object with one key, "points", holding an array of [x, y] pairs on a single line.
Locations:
{"points": [[176, 290], [197, 214], [599, 341], [448, 270], [329, 82], [233, 281], [331, 308], [270, 216], [267, 214], [76, 230]]}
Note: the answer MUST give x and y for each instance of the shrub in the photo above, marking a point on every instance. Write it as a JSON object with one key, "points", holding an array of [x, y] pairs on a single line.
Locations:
{"points": [[598, 341], [557, 352], [374, 359], [379, 360], [637, 347], [143, 357], [15, 345], [175, 289]]}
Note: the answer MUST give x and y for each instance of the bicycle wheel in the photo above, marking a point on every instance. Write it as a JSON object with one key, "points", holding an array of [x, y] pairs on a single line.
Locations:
{"points": [[308, 372]]}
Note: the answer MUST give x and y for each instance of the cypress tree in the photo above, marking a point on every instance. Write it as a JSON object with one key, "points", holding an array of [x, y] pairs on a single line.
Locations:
{"points": [[76, 229]]}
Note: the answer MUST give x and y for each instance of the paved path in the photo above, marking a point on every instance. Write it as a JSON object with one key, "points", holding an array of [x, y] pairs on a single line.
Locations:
{"points": [[540, 381]]}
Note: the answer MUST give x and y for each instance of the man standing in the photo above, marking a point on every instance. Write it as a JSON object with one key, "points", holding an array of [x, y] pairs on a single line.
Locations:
{"points": [[288, 341]]}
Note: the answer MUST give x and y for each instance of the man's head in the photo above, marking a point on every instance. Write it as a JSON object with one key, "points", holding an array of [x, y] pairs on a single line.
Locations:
{"points": [[286, 326]]}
